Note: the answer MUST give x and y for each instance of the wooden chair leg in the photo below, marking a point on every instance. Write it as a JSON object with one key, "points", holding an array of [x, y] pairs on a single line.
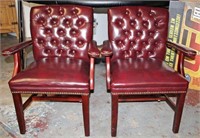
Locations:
{"points": [[178, 112], [86, 120], [19, 112], [114, 115]]}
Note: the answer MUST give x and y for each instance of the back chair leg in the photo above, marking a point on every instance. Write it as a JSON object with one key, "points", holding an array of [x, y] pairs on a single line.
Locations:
{"points": [[85, 106], [114, 115], [178, 112], [19, 112]]}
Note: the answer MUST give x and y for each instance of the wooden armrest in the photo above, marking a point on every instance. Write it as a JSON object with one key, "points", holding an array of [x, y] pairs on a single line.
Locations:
{"points": [[16, 48], [93, 50], [188, 52], [106, 49]]}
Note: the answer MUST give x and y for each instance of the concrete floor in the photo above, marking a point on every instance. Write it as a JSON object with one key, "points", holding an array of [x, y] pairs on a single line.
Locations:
{"points": [[64, 120]]}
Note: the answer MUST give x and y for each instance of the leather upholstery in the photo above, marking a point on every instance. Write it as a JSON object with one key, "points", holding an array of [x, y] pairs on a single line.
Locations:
{"points": [[62, 47], [53, 75], [138, 32], [64, 52], [137, 76], [135, 66], [61, 31]]}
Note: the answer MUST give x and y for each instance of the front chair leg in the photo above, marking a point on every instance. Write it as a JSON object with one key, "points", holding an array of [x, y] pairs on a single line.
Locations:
{"points": [[114, 115], [19, 112], [85, 106], [178, 112]]}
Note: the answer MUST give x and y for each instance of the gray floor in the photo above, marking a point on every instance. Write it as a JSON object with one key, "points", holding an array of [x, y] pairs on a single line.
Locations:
{"points": [[64, 120]]}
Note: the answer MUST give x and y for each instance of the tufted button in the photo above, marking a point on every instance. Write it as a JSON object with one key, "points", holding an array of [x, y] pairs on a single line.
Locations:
{"points": [[156, 42], [54, 21], [151, 33], [41, 41], [138, 33], [126, 32], [144, 43], [60, 51], [139, 13], [72, 52], [74, 32], [127, 53], [61, 32], [67, 42], [80, 22], [61, 11], [48, 10], [132, 42], [74, 11], [80, 43], [54, 42], [67, 22], [150, 53], [47, 31], [132, 22], [47, 51], [127, 12], [145, 24], [41, 20], [152, 13], [119, 22]]}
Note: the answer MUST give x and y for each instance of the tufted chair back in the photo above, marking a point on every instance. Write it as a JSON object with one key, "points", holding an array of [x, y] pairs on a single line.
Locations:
{"points": [[61, 31], [139, 32]]}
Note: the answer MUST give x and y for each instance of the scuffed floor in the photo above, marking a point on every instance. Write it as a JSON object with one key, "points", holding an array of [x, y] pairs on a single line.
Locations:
{"points": [[64, 120]]}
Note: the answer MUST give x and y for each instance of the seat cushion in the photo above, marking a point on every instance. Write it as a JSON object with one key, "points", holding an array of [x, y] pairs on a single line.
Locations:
{"points": [[145, 76], [53, 75]]}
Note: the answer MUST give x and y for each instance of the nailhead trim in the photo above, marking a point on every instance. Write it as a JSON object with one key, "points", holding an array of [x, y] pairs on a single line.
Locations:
{"points": [[140, 93], [63, 93]]}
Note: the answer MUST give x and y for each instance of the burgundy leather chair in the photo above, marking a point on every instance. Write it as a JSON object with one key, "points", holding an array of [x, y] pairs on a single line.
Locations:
{"points": [[135, 67], [64, 54]]}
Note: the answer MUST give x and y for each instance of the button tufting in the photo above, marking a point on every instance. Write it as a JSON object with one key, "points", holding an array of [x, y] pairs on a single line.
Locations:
{"points": [[145, 24], [139, 33], [54, 42], [132, 22], [80, 22], [47, 31], [127, 12], [41, 41], [74, 32], [61, 11], [41, 20], [139, 13], [61, 32], [47, 51], [67, 42], [48, 10], [75, 11], [67, 22], [54, 21], [119, 22]]}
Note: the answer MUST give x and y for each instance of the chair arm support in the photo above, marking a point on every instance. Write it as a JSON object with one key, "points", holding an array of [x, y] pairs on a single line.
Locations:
{"points": [[16, 48], [108, 73], [188, 52], [106, 49], [93, 51], [92, 68], [183, 52]]}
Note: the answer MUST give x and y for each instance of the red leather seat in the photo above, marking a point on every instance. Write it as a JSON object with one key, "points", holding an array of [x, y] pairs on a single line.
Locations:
{"points": [[64, 54], [135, 67], [143, 76]]}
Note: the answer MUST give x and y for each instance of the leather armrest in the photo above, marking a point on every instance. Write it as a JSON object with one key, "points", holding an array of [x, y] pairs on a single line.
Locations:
{"points": [[106, 49], [188, 52], [16, 48], [93, 50]]}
